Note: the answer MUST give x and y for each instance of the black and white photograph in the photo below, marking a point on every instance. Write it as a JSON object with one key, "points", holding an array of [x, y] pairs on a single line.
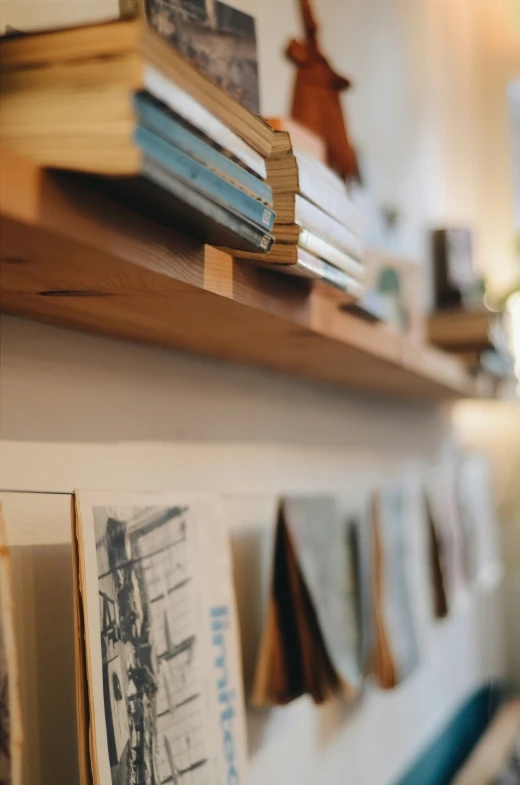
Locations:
{"points": [[149, 646], [217, 39], [155, 669]]}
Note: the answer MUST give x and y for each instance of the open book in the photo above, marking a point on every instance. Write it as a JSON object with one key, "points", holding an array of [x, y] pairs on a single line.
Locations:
{"points": [[159, 680], [310, 642]]}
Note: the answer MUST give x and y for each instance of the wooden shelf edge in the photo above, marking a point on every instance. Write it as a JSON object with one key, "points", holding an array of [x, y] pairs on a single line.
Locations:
{"points": [[68, 257], [459, 330]]}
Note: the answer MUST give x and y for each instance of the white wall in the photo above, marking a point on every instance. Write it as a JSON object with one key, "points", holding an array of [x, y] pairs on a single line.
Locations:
{"points": [[493, 429], [82, 411]]}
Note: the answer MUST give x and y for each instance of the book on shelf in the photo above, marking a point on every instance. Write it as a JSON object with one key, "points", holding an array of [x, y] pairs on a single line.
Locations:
{"points": [[309, 266], [436, 561], [285, 253], [11, 732], [64, 92], [323, 242], [161, 699], [309, 218], [396, 652], [117, 100], [290, 173], [27, 16], [302, 139], [216, 38], [310, 641], [184, 137], [370, 306]]}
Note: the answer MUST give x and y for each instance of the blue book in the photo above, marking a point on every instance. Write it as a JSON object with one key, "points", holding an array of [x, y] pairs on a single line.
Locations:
{"points": [[167, 199], [152, 116], [202, 179]]}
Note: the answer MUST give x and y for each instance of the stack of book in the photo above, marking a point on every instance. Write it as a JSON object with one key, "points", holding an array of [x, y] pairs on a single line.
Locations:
{"points": [[318, 229], [118, 104]]}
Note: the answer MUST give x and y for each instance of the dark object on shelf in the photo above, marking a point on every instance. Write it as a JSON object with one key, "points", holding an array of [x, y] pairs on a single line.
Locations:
{"points": [[453, 267], [316, 99]]}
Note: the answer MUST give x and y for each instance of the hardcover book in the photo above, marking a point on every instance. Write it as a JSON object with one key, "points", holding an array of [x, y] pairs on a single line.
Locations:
{"points": [[162, 698]]}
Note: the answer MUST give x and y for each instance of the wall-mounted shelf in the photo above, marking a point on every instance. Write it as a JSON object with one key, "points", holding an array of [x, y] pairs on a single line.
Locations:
{"points": [[73, 259], [460, 331]]}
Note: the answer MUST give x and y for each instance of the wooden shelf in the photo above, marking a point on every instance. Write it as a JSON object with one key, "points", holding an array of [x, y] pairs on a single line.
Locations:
{"points": [[70, 258], [460, 331]]}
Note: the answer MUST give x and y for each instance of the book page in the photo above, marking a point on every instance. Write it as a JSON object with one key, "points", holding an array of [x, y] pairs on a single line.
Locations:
{"points": [[397, 606], [38, 529], [443, 493], [162, 653], [11, 735], [28, 15], [321, 542]]}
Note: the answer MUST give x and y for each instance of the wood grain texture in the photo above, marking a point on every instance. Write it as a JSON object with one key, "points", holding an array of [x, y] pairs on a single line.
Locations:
{"points": [[76, 260]]}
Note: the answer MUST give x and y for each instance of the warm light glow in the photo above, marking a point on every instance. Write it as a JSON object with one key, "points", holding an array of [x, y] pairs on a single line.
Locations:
{"points": [[490, 303]]}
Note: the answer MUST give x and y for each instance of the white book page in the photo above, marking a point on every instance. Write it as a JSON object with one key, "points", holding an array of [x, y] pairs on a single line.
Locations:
{"points": [[193, 112], [161, 640]]}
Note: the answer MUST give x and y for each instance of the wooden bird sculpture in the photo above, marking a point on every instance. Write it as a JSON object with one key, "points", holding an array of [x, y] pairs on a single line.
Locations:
{"points": [[316, 101]]}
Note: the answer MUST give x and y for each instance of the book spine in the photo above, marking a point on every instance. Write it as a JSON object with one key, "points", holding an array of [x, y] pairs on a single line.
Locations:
{"points": [[337, 205], [311, 267], [28, 16], [311, 217], [158, 121], [330, 178], [202, 178], [216, 212], [193, 112], [315, 245]]}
